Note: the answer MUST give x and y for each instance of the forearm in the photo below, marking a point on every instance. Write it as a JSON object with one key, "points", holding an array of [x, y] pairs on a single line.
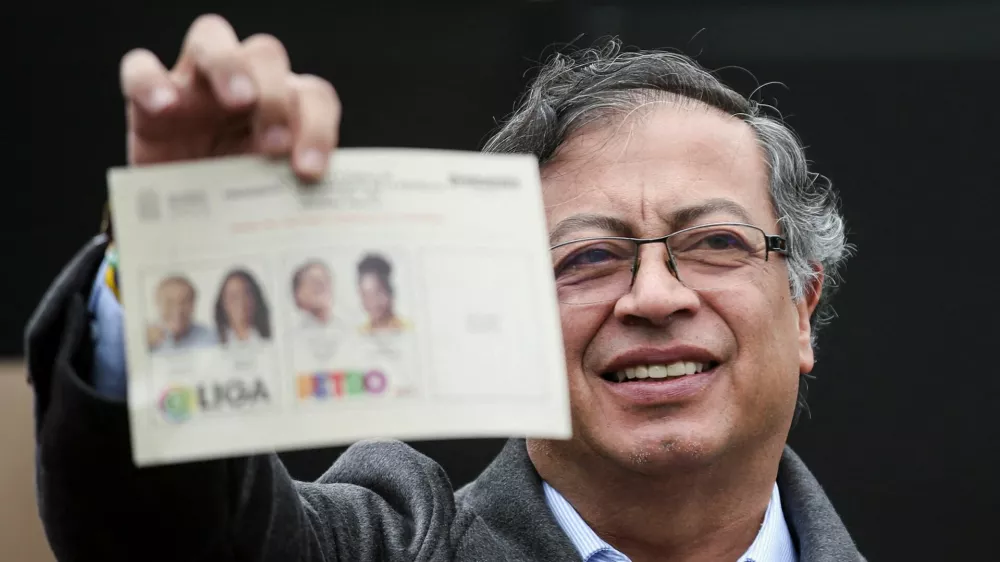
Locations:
{"points": [[96, 505]]}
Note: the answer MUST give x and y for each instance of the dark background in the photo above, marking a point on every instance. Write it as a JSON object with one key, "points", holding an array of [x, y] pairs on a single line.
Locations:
{"points": [[896, 101]]}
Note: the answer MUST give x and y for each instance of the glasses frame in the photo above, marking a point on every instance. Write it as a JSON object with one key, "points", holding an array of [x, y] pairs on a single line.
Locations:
{"points": [[772, 243]]}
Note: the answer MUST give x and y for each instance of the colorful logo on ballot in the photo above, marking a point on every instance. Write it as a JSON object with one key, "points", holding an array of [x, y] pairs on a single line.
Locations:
{"points": [[325, 385], [180, 403]]}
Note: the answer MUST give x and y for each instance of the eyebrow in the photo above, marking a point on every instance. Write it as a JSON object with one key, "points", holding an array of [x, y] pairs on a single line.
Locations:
{"points": [[677, 219], [684, 216], [609, 226]]}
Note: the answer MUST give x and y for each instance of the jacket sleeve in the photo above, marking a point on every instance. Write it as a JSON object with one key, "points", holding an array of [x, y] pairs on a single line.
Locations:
{"points": [[96, 505]]}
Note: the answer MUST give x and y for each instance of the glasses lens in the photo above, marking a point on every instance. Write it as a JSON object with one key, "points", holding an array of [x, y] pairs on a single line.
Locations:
{"points": [[593, 271], [718, 257]]}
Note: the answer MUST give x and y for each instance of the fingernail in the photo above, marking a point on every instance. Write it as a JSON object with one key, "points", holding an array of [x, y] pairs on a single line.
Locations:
{"points": [[241, 88], [159, 98], [277, 137], [311, 161]]}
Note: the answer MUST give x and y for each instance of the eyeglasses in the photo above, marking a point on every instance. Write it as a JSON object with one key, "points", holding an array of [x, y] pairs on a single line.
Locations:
{"points": [[708, 257]]}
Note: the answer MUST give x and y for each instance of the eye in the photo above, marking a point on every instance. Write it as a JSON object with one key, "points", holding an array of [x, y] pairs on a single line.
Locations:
{"points": [[590, 256], [713, 240], [723, 241]]}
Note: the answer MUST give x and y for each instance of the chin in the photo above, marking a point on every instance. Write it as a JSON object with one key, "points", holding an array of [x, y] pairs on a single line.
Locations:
{"points": [[664, 445]]}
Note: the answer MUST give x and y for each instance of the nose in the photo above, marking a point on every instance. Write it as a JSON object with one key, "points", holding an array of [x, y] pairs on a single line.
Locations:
{"points": [[656, 294]]}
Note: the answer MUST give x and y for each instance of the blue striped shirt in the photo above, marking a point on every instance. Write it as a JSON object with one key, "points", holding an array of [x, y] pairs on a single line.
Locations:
{"points": [[773, 542]]}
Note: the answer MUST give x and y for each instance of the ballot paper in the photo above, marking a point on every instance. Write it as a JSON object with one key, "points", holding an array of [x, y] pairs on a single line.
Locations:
{"points": [[408, 295]]}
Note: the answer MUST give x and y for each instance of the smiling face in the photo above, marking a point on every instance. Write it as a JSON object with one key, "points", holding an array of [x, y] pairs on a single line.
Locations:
{"points": [[670, 166], [314, 292], [175, 302]]}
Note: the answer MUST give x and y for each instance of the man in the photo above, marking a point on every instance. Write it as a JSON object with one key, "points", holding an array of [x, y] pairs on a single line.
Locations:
{"points": [[318, 334], [312, 290], [684, 353], [175, 299]]}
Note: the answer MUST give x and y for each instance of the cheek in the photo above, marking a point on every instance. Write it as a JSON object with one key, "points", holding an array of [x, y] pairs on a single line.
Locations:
{"points": [[762, 320], [760, 311], [579, 326], [782, 316]]}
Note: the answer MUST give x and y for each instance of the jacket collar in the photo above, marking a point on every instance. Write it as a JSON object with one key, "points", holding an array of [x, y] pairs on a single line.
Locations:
{"points": [[815, 525], [508, 496]]}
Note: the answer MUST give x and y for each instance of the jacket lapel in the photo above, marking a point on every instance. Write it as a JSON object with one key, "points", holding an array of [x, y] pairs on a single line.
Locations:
{"points": [[508, 497], [820, 533]]}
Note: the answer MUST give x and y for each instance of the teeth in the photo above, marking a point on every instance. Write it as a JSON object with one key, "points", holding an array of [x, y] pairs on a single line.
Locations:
{"points": [[677, 369]]}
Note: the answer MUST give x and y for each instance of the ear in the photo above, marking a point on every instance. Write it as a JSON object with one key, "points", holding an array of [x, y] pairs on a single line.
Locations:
{"points": [[805, 308]]}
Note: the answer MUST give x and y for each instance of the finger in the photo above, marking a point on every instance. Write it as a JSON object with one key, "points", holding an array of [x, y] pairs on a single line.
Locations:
{"points": [[212, 50], [315, 125], [267, 62], [145, 81]]}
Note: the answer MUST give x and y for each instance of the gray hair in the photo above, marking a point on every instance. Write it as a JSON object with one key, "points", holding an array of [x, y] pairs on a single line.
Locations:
{"points": [[574, 90]]}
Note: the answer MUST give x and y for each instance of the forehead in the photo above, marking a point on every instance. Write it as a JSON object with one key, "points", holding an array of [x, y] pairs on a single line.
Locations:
{"points": [[315, 272], [663, 157], [175, 288], [236, 283]]}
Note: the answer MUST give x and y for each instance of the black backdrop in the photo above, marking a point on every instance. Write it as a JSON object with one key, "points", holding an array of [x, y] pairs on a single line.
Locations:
{"points": [[897, 103]]}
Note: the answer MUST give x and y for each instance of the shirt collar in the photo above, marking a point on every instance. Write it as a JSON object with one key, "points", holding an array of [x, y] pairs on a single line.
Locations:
{"points": [[584, 539], [772, 544], [773, 541]]}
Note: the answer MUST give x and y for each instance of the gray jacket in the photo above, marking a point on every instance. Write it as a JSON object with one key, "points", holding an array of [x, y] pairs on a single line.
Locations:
{"points": [[381, 500]]}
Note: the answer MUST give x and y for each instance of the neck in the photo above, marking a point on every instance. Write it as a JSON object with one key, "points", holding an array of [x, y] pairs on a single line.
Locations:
{"points": [[242, 332], [679, 514], [384, 321]]}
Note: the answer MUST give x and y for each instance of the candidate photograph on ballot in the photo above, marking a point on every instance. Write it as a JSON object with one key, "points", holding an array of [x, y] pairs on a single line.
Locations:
{"points": [[378, 296], [313, 295], [175, 327], [242, 315]]}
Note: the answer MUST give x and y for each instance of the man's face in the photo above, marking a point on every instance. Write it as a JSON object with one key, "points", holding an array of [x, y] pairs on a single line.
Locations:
{"points": [[755, 338], [175, 301], [315, 291]]}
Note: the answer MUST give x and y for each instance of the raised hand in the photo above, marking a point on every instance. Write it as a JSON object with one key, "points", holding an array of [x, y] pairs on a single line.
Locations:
{"points": [[226, 97]]}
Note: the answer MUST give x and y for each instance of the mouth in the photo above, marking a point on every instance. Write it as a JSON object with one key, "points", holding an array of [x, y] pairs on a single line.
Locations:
{"points": [[658, 371]]}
